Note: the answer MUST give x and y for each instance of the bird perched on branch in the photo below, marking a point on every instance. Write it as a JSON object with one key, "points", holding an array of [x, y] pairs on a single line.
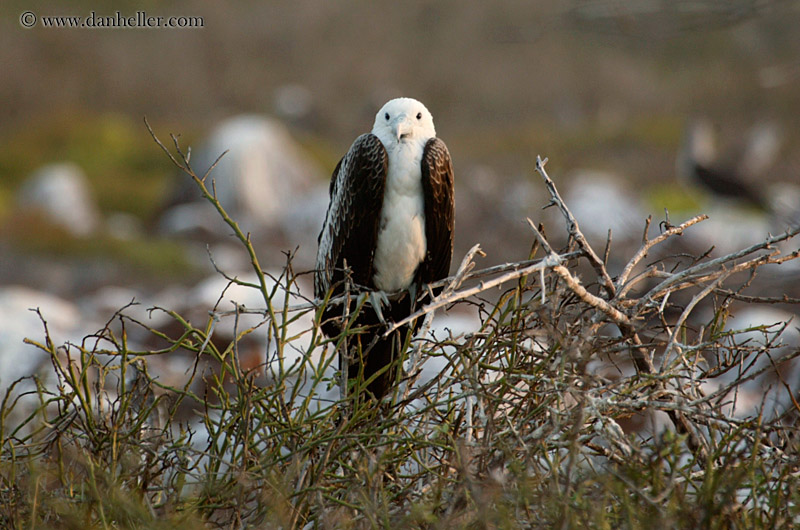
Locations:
{"points": [[387, 233]]}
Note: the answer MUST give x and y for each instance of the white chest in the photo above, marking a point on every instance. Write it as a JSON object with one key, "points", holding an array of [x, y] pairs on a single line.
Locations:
{"points": [[401, 242]]}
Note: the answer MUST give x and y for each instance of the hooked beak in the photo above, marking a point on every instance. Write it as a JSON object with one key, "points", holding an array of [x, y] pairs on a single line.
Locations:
{"points": [[403, 128]]}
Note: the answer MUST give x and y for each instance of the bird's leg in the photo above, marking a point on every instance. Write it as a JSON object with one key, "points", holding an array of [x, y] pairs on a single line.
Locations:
{"points": [[412, 292], [377, 300]]}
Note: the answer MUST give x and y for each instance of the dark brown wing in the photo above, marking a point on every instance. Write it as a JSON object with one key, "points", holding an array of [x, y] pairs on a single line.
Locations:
{"points": [[350, 230], [437, 186], [727, 183]]}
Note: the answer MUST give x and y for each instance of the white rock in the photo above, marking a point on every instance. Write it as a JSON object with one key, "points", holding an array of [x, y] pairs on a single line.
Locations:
{"points": [[193, 218], [108, 300], [263, 172], [61, 192], [766, 390], [729, 228], [302, 223], [18, 322], [601, 201]]}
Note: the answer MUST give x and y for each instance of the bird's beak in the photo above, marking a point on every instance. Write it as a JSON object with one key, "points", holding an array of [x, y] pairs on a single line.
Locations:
{"points": [[403, 127]]}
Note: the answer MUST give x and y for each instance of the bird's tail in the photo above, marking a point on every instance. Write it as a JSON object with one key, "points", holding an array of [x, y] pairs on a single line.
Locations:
{"points": [[375, 362]]}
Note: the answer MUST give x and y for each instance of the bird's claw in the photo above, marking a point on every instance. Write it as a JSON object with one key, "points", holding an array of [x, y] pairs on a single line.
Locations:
{"points": [[378, 300]]}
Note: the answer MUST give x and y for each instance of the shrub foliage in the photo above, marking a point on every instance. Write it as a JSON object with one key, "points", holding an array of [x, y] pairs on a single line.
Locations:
{"points": [[578, 399]]}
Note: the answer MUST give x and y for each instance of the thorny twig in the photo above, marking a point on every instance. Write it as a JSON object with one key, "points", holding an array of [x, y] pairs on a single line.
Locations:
{"points": [[641, 356], [512, 404], [648, 243], [574, 230]]}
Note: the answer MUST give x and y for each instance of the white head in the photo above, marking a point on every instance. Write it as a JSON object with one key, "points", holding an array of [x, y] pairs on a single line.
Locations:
{"points": [[403, 120], [700, 139], [698, 147]]}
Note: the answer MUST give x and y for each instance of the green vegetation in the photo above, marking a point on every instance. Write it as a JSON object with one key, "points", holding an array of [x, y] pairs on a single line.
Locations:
{"points": [[521, 428], [162, 258], [676, 199], [124, 172]]}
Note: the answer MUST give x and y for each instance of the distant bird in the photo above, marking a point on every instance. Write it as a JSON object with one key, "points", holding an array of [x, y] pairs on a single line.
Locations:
{"points": [[699, 163], [388, 231]]}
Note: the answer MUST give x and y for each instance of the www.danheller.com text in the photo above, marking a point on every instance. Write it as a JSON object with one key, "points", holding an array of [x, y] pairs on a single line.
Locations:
{"points": [[140, 19]]}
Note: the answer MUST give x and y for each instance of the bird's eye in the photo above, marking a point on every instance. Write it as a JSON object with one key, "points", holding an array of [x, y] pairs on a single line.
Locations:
{"points": [[386, 116], [419, 115]]}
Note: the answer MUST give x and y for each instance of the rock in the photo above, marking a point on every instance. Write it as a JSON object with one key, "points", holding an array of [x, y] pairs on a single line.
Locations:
{"points": [[767, 391], [133, 303], [729, 228], [302, 223], [601, 201], [61, 193], [192, 218], [258, 180], [18, 322]]}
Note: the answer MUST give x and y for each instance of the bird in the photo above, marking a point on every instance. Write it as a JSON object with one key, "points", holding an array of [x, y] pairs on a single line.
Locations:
{"points": [[387, 235], [698, 162]]}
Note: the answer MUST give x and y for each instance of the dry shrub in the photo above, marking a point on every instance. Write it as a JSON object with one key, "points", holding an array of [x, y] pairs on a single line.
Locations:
{"points": [[597, 402]]}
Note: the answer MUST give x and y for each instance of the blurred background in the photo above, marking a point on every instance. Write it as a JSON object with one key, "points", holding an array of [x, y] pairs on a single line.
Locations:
{"points": [[93, 212]]}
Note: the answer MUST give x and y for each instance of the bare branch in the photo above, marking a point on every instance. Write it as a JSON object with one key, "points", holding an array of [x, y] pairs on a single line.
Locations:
{"points": [[647, 244], [448, 298], [574, 230]]}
